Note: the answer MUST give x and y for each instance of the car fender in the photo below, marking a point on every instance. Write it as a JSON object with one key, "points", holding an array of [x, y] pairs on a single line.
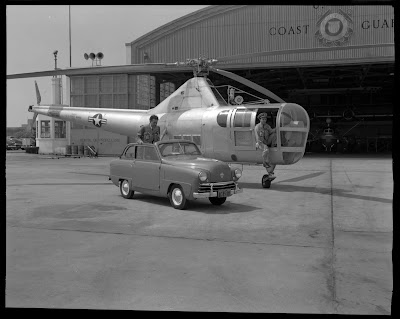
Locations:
{"points": [[117, 179], [186, 187], [184, 176]]}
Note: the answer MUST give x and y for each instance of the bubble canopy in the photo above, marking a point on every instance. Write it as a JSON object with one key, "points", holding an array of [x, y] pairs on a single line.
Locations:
{"points": [[292, 127]]}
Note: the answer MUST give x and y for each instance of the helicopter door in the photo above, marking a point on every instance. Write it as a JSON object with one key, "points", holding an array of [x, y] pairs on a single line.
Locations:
{"points": [[241, 128]]}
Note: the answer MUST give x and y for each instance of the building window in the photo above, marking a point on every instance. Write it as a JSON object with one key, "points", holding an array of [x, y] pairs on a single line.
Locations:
{"points": [[166, 89], [59, 129], [100, 91], [145, 91], [45, 129], [152, 92], [120, 91]]}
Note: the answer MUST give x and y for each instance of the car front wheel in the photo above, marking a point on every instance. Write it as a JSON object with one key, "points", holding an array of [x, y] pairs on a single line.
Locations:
{"points": [[125, 189], [217, 200], [177, 197]]}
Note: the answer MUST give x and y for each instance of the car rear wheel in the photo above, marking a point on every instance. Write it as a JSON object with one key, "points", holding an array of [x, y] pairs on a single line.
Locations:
{"points": [[217, 200], [125, 189], [177, 197]]}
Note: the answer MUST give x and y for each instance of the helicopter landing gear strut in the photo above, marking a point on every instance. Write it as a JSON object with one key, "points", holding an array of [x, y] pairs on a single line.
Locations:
{"points": [[266, 181]]}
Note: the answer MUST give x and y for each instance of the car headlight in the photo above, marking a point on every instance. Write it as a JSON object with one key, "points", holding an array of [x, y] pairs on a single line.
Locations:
{"points": [[202, 176], [237, 173]]}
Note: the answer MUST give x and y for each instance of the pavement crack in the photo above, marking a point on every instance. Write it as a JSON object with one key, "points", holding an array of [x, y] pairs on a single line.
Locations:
{"points": [[332, 275], [169, 237]]}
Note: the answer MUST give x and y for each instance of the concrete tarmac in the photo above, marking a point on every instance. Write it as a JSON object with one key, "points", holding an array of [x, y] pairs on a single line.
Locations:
{"points": [[318, 241]]}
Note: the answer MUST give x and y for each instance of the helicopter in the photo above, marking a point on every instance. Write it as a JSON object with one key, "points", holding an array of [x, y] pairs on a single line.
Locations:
{"points": [[219, 119]]}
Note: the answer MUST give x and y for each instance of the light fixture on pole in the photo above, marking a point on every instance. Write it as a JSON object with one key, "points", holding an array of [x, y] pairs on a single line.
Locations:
{"points": [[94, 57], [55, 59], [99, 56]]}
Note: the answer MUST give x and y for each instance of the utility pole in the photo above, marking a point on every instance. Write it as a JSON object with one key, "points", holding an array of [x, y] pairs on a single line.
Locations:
{"points": [[69, 18]]}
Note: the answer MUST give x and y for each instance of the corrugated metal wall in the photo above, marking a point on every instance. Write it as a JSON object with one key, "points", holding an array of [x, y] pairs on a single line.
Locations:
{"points": [[265, 28]]}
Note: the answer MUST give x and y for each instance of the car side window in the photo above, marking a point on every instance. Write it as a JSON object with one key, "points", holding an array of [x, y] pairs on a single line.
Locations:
{"points": [[130, 153], [166, 149], [150, 154], [146, 153], [139, 152]]}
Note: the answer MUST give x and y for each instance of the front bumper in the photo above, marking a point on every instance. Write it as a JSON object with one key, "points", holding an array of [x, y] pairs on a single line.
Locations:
{"points": [[230, 192]]}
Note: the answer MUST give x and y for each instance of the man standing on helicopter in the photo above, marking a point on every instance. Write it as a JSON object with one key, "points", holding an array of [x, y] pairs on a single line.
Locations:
{"points": [[265, 137]]}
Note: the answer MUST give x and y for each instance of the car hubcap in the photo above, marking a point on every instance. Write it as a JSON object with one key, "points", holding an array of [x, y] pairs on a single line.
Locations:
{"points": [[177, 196], [125, 188]]}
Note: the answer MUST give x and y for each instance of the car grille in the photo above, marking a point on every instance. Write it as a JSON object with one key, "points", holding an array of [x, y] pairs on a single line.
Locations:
{"points": [[208, 187]]}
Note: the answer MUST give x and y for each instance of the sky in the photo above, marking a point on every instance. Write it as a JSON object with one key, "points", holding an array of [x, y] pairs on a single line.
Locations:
{"points": [[34, 32]]}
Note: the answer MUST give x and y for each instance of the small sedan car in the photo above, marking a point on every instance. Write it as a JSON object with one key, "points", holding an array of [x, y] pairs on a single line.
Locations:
{"points": [[174, 169]]}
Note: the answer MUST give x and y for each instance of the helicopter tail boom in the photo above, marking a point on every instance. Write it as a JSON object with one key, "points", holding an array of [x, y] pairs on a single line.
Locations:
{"points": [[120, 121]]}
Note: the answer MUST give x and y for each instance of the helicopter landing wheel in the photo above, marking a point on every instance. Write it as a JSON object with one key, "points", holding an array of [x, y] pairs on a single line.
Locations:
{"points": [[265, 181]]}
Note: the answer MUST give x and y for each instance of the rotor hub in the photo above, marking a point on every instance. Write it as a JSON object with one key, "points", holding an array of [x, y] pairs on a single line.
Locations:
{"points": [[200, 65]]}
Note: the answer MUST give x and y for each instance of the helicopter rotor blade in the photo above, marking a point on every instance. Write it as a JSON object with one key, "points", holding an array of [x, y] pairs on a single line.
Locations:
{"points": [[248, 83], [130, 68], [181, 66], [301, 50]]}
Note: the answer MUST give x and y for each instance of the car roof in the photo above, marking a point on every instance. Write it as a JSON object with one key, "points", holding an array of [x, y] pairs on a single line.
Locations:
{"points": [[164, 142], [174, 141]]}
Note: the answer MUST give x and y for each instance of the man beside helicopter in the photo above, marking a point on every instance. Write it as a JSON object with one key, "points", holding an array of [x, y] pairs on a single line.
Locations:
{"points": [[265, 136], [150, 133]]}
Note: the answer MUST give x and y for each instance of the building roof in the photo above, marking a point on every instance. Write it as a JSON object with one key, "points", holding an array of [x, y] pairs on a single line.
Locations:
{"points": [[183, 22]]}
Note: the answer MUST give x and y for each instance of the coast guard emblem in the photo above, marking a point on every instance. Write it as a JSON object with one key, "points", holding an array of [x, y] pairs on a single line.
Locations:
{"points": [[334, 29]]}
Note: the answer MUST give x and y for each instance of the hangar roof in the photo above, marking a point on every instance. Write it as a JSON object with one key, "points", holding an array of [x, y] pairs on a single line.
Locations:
{"points": [[229, 31], [183, 22]]}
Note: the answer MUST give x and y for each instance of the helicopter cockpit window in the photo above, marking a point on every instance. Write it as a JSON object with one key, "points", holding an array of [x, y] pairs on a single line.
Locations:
{"points": [[293, 120], [242, 118], [222, 118], [292, 113]]}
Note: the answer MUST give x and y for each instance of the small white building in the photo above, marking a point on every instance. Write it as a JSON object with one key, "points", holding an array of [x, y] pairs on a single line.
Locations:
{"points": [[52, 135]]}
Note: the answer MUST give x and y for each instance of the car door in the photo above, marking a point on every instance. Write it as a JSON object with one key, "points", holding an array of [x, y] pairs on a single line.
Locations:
{"points": [[146, 168], [122, 168]]}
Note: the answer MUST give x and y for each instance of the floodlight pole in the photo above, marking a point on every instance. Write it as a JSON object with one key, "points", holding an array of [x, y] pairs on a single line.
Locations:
{"points": [[69, 25]]}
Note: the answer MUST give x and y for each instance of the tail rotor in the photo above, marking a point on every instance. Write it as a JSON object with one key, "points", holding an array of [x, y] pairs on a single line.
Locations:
{"points": [[38, 97], [38, 100]]}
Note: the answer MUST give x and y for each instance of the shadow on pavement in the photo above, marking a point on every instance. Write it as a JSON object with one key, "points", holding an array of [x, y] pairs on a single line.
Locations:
{"points": [[199, 205], [280, 187]]}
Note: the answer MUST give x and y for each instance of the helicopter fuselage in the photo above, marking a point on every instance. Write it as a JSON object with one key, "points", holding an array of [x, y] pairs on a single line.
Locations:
{"points": [[225, 133], [195, 112]]}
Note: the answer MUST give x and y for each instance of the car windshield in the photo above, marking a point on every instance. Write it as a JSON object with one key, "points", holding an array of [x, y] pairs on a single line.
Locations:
{"points": [[178, 148]]}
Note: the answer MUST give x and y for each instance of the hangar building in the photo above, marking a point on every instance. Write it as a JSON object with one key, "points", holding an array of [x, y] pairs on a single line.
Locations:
{"points": [[348, 90]]}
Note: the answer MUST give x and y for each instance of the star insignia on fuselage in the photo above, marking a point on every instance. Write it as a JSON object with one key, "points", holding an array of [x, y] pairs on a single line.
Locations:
{"points": [[222, 175], [97, 120]]}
